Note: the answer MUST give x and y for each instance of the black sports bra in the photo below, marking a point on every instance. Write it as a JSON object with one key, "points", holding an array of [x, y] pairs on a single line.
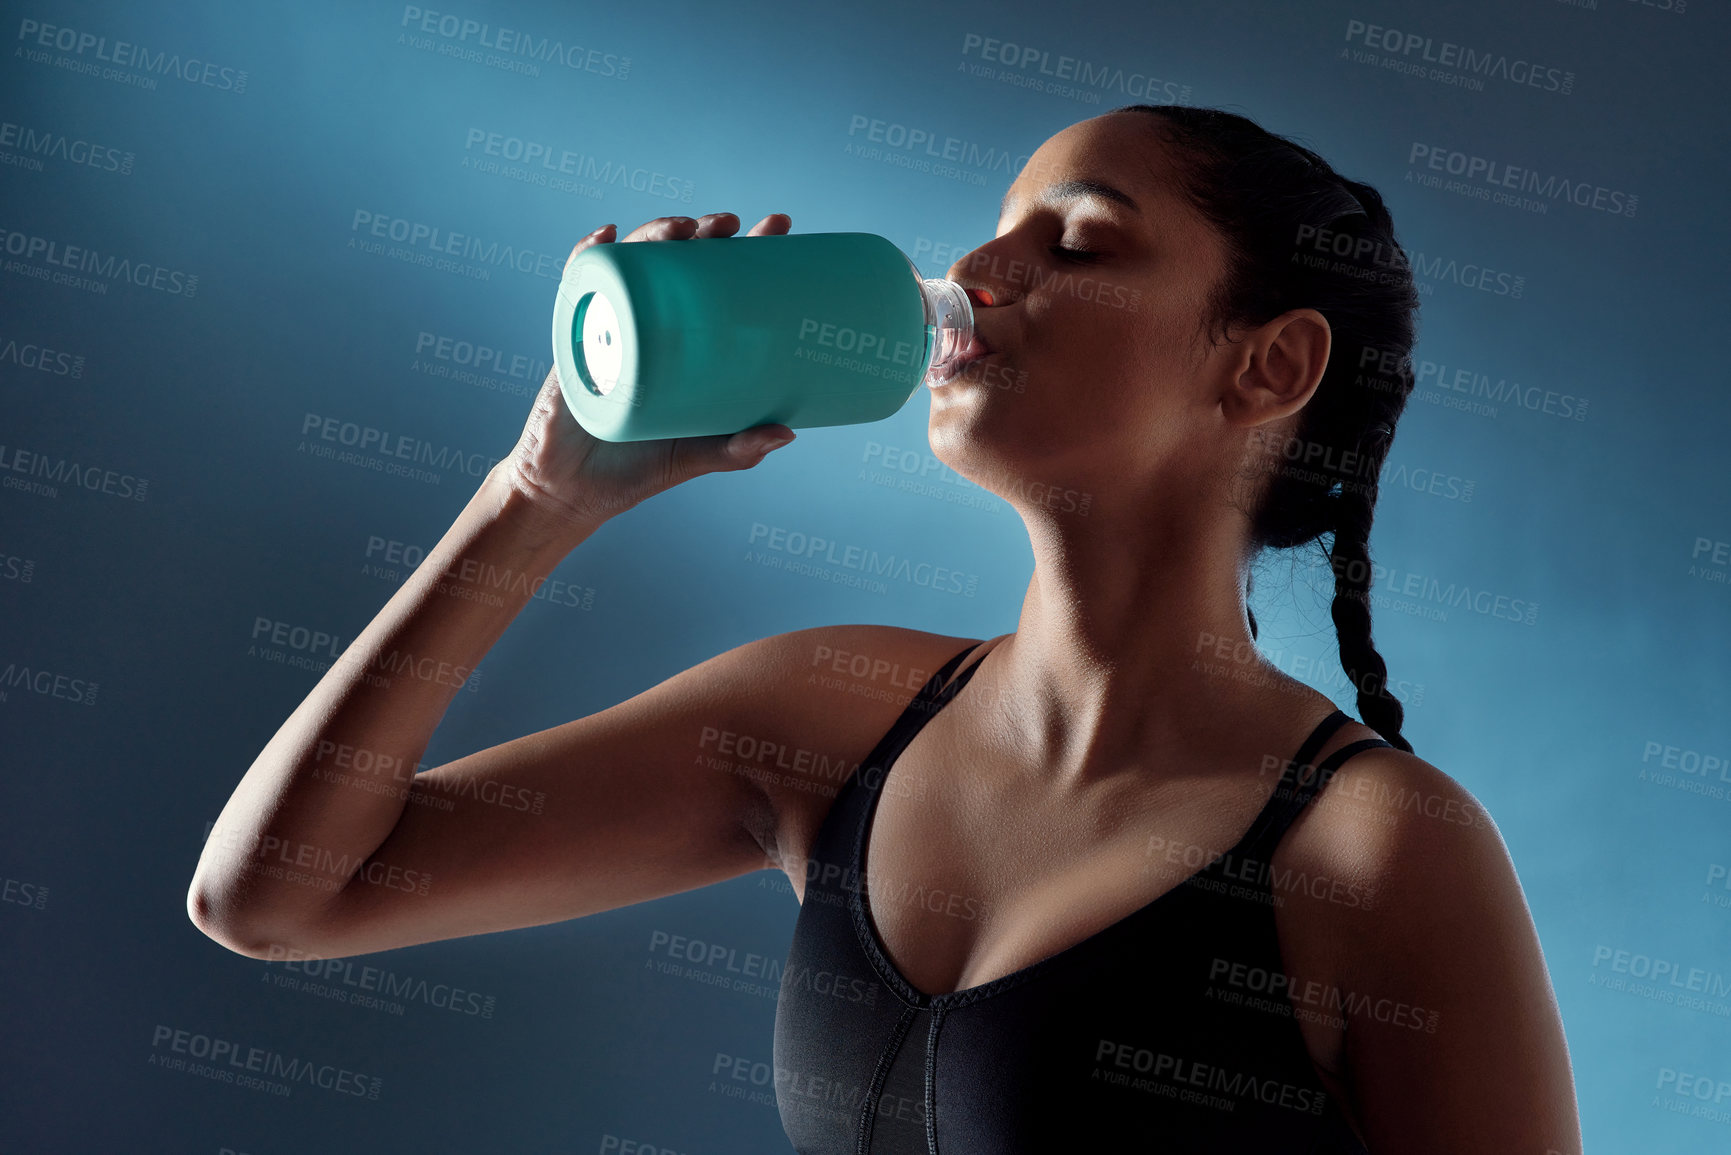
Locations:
{"points": [[1156, 1034]]}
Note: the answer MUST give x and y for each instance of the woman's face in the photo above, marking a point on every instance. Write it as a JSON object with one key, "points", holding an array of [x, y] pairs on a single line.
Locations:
{"points": [[1102, 374]]}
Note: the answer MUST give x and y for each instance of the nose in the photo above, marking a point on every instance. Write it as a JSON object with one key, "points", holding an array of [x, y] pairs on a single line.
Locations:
{"points": [[982, 267]]}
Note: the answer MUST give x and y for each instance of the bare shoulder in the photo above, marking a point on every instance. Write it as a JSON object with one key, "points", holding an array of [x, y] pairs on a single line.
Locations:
{"points": [[1444, 961], [1383, 805], [822, 699], [1441, 960], [1437, 881], [1393, 822]]}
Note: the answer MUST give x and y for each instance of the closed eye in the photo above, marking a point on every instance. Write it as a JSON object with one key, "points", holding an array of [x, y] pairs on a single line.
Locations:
{"points": [[1079, 256]]}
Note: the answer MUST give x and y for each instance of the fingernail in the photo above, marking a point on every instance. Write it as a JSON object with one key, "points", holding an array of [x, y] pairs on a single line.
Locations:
{"points": [[773, 443]]}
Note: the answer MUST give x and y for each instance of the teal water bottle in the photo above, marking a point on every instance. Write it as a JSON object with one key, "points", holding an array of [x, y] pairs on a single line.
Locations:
{"points": [[684, 338]]}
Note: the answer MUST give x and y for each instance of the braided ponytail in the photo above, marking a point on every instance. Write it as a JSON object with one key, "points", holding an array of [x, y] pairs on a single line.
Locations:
{"points": [[1349, 557], [1299, 234]]}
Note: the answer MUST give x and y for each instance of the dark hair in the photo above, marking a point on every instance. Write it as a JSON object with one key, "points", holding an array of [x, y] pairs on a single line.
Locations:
{"points": [[1299, 234]]}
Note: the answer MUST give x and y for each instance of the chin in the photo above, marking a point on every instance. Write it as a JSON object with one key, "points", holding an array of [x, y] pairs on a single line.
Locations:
{"points": [[978, 442]]}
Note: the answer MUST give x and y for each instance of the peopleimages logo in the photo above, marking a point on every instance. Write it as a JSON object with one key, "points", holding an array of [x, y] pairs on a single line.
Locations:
{"points": [[89, 268], [35, 36], [1452, 61], [1369, 259], [523, 50], [928, 145], [1380, 580], [1028, 66], [48, 472], [431, 241], [41, 358], [364, 980], [48, 684], [803, 552], [1454, 379], [34, 144], [229, 1061], [543, 163], [1497, 175], [317, 427], [476, 357]]}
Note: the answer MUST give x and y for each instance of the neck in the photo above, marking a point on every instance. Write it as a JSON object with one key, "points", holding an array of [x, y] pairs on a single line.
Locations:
{"points": [[1133, 646]]}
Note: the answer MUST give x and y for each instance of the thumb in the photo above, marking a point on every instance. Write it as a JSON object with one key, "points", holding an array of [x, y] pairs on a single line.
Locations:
{"points": [[725, 452], [746, 448]]}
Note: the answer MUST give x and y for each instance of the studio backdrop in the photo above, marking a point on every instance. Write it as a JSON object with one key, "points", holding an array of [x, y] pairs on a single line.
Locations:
{"points": [[275, 289]]}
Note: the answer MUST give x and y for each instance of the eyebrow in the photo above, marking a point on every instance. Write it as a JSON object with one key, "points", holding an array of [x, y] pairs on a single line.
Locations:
{"points": [[1071, 189]]}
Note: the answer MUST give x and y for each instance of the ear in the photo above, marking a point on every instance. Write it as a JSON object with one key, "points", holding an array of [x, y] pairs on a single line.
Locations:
{"points": [[1278, 366]]}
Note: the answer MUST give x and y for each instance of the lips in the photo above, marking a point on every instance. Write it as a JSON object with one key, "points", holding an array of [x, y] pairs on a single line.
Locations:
{"points": [[973, 351]]}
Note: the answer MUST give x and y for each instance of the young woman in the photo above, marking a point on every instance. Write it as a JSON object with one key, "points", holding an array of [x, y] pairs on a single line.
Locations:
{"points": [[1127, 882]]}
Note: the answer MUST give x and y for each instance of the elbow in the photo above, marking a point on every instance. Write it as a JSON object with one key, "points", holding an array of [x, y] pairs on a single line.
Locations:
{"points": [[206, 915], [222, 926]]}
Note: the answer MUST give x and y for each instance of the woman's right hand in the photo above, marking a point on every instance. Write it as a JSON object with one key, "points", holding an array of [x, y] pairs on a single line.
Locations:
{"points": [[585, 480]]}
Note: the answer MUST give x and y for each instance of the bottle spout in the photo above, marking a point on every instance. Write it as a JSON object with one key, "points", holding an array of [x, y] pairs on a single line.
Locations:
{"points": [[950, 316]]}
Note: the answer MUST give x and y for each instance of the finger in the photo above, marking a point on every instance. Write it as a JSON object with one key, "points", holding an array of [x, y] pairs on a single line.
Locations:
{"points": [[663, 229], [775, 224], [600, 236], [717, 224], [746, 448], [724, 452]]}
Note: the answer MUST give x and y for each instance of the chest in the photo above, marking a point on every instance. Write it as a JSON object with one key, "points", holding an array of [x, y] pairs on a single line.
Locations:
{"points": [[971, 874]]}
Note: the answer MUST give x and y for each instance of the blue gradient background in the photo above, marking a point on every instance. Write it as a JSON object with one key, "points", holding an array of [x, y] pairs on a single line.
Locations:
{"points": [[106, 805]]}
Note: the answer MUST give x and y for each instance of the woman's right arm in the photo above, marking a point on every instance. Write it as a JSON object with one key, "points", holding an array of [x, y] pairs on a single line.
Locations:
{"points": [[332, 845]]}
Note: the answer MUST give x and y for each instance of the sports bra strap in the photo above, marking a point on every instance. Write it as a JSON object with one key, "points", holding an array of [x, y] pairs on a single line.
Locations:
{"points": [[932, 697], [1324, 731], [1299, 779], [938, 691], [1299, 783], [942, 677]]}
